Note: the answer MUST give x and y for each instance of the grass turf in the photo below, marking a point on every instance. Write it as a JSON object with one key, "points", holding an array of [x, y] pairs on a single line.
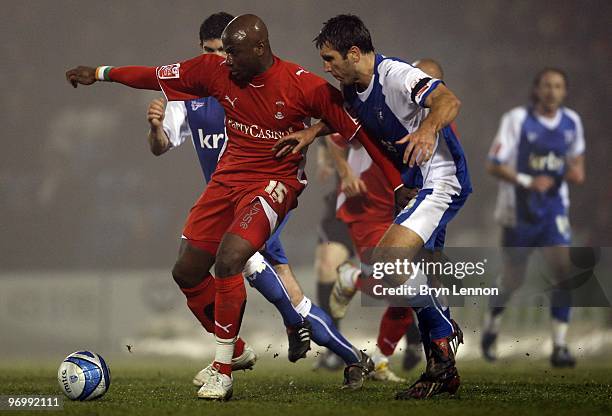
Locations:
{"points": [[163, 387]]}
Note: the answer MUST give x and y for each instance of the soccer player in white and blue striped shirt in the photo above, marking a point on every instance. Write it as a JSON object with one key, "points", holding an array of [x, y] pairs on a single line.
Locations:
{"points": [[408, 113]]}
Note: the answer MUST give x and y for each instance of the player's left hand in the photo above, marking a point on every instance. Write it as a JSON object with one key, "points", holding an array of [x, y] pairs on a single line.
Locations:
{"points": [[85, 75], [294, 142], [420, 147]]}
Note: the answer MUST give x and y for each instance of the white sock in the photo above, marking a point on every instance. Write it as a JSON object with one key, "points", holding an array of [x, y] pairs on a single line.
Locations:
{"points": [[378, 357], [303, 308], [559, 332], [224, 350]]}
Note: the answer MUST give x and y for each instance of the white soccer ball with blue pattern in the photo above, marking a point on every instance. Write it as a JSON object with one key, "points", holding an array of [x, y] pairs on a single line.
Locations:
{"points": [[84, 375]]}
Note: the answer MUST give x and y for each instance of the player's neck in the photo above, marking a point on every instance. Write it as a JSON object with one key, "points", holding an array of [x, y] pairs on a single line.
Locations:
{"points": [[365, 71], [546, 112]]}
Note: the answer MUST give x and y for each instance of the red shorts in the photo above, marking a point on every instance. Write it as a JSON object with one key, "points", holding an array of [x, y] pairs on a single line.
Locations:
{"points": [[366, 235], [251, 211]]}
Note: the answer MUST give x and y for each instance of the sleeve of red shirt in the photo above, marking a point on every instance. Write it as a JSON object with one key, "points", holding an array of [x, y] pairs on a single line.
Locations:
{"points": [[378, 156], [180, 81], [325, 102]]}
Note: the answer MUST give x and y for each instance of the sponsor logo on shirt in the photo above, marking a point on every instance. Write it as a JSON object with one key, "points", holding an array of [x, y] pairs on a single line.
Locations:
{"points": [[256, 131], [549, 162], [210, 141], [168, 71], [197, 104]]}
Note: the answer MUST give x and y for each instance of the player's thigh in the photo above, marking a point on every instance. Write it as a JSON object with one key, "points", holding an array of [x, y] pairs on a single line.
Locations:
{"points": [[328, 256], [290, 281], [558, 261], [192, 265], [210, 217], [514, 267]]}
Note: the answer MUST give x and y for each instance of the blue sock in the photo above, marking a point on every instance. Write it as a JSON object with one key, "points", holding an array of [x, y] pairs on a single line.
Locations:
{"points": [[268, 283], [435, 321], [561, 313], [560, 305], [325, 334]]}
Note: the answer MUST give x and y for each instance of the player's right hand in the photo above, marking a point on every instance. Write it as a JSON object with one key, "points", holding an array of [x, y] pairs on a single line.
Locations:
{"points": [[542, 183], [294, 142], [353, 186], [156, 113], [85, 75]]}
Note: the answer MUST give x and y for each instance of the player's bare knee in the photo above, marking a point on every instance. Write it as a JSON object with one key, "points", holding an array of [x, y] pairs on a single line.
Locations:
{"points": [[229, 263], [185, 276]]}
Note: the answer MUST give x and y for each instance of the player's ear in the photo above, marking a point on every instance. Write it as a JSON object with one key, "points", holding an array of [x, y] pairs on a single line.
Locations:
{"points": [[354, 54], [260, 48]]}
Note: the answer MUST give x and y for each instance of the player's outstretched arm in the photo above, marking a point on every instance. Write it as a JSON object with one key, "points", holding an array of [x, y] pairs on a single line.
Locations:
{"points": [[159, 143], [142, 77], [444, 107]]}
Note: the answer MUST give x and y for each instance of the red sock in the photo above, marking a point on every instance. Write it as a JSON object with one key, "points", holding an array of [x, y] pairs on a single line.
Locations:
{"points": [[230, 301], [393, 325], [238, 348], [201, 302]]}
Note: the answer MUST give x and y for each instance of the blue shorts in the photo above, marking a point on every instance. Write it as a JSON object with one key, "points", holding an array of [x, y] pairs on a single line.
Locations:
{"points": [[428, 214], [552, 231], [273, 250]]}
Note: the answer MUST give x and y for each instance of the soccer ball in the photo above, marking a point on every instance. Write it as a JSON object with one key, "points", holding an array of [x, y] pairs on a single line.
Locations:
{"points": [[84, 375]]}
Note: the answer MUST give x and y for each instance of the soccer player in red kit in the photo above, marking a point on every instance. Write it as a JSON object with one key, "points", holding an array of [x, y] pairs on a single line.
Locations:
{"points": [[251, 191]]}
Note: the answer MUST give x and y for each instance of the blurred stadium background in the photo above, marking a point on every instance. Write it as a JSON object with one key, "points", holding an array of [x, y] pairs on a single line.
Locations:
{"points": [[90, 220]]}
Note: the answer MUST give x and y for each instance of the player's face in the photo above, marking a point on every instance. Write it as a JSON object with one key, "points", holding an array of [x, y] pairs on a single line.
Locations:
{"points": [[337, 65], [241, 58], [551, 90], [214, 46]]}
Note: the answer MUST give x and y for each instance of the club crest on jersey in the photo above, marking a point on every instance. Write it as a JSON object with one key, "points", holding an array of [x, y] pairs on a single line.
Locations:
{"points": [[531, 136], [196, 104], [280, 105], [569, 136], [168, 71]]}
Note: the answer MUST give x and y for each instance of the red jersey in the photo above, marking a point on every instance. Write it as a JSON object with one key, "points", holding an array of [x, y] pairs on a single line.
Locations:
{"points": [[271, 105], [377, 204]]}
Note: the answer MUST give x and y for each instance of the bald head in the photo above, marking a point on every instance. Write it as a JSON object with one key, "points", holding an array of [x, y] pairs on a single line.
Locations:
{"points": [[430, 67], [245, 40], [246, 28]]}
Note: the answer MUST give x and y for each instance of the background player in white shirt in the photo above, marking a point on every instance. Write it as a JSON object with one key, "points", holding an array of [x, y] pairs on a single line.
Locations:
{"points": [[538, 149]]}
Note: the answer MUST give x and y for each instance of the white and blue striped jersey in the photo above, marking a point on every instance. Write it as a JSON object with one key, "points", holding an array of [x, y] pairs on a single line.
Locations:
{"points": [[535, 145], [201, 120], [393, 106]]}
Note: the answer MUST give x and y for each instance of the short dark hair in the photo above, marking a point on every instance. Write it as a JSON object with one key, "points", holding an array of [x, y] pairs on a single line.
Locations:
{"points": [[538, 78], [213, 26], [344, 31]]}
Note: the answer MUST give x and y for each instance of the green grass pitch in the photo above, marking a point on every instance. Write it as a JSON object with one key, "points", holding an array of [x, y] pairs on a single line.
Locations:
{"points": [[163, 387]]}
